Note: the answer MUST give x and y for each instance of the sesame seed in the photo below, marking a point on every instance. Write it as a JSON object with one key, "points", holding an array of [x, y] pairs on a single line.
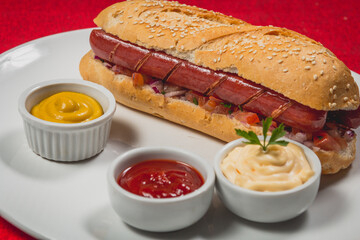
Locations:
{"points": [[303, 58], [332, 105], [241, 56], [215, 60], [334, 87], [307, 68], [269, 57], [322, 72], [334, 67], [348, 86], [315, 77], [151, 36], [251, 59], [324, 61], [274, 54], [203, 40], [313, 62], [255, 52], [346, 99], [331, 91], [285, 70], [280, 61], [334, 96], [285, 55]]}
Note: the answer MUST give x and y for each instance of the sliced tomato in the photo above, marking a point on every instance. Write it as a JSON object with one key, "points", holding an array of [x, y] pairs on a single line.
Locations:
{"points": [[246, 117], [326, 142], [138, 79], [211, 103]]}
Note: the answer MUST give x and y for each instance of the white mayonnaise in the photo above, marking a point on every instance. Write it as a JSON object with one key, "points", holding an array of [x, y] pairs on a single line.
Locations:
{"points": [[279, 168]]}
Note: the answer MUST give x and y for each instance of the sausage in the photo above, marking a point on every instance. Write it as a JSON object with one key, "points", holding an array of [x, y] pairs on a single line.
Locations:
{"points": [[226, 86], [349, 119]]}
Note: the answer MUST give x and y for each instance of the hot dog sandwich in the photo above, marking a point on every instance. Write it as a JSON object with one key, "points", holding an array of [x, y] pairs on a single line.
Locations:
{"points": [[215, 73]]}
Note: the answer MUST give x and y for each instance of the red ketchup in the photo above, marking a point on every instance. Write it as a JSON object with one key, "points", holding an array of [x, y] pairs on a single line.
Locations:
{"points": [[160, 179]]}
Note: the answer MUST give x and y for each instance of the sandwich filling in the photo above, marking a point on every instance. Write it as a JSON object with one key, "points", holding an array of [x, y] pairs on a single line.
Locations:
{"points": [[332, 137]]}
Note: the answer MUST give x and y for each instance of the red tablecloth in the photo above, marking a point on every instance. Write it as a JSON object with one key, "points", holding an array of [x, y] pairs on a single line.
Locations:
{"points": [[334, 23]]}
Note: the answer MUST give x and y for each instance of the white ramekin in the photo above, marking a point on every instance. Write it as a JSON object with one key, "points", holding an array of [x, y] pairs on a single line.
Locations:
{"points": [[60, 141], [266, 207], [164, 214]]}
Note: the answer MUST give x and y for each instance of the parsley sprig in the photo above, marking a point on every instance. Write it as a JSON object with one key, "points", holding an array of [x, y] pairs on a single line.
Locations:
{"points": [[275, 135]]}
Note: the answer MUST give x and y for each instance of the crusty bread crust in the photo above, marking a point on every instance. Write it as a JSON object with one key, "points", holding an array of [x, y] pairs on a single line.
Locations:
{"points": [[188, 114], [280, 59], [332, 162]]}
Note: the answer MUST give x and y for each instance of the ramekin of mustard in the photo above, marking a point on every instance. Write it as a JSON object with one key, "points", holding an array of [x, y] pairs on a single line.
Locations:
{"points": [[271, 186], [68, 107], [67, 119]]}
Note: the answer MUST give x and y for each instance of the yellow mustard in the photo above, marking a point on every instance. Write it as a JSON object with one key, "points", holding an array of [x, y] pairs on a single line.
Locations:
{"points": [[280, 168], [68, 107]]}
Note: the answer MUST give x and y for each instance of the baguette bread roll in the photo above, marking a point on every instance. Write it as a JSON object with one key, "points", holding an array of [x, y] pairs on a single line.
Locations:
{"points": [[280, 59], [188, 114]]}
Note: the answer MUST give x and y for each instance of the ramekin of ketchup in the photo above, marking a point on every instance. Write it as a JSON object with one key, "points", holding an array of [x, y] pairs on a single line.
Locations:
{"points": [[160, 189], [160, 178]]}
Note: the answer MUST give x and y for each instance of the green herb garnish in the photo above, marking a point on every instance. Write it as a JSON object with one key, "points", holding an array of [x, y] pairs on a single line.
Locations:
{"points": [[227, 105], [240, 107], [195, 101], [276, 134]]}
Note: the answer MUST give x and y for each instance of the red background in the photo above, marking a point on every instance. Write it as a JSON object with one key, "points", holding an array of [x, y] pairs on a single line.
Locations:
{"points": [[334, 23]]}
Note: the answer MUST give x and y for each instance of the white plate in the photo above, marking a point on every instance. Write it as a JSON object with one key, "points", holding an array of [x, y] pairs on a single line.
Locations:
{"points": [[69, 200]]}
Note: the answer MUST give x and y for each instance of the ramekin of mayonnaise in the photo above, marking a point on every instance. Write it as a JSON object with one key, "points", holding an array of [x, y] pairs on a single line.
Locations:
{"points": [[270, 186], [67, 119]]}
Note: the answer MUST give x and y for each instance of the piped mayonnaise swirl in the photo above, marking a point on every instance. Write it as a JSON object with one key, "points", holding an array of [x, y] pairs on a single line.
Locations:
{"points": [[68, 107], [279, 168]]}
